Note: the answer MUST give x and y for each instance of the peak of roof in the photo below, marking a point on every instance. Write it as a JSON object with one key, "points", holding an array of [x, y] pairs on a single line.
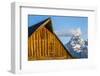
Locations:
{"points": [[48, 25]]}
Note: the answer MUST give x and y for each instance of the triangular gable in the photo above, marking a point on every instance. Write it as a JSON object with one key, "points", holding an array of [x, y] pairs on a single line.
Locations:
{"points": [[48, 24]]}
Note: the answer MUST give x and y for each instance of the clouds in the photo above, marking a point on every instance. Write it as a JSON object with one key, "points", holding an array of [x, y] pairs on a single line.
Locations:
{"points": [[69, 32]]}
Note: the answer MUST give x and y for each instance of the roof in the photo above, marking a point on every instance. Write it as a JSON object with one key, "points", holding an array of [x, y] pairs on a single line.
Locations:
{"points": [[48, 24], [42, 23]]}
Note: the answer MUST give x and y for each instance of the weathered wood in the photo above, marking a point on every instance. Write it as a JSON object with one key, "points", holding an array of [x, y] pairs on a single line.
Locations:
{"points": [[42, 44]]}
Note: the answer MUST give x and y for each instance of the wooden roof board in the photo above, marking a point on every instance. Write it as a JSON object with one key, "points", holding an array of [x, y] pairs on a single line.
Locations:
{"points": [[33, 28]]}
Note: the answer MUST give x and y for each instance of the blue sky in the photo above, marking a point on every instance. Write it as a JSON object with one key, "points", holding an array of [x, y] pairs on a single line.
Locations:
{"points": [[63, 23]]}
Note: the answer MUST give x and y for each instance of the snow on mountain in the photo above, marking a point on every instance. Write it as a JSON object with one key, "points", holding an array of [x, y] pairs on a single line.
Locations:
{"points": [[77, 46]]}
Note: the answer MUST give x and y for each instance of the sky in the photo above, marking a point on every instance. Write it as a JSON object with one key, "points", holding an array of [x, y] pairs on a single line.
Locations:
{"points": [[63, 24]]}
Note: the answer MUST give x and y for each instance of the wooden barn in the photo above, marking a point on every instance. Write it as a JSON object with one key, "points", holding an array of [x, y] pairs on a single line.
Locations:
{"points": [[43, 44]]}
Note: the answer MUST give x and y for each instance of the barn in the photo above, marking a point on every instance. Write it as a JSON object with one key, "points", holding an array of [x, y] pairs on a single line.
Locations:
{"points": [[43, 44]]}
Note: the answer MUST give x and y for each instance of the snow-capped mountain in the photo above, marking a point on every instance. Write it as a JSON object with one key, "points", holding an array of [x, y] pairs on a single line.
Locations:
{"points": [[77, 46]]}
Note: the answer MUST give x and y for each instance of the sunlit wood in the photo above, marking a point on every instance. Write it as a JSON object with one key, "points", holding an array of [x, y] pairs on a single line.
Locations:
{"points": [[44, 45]]}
